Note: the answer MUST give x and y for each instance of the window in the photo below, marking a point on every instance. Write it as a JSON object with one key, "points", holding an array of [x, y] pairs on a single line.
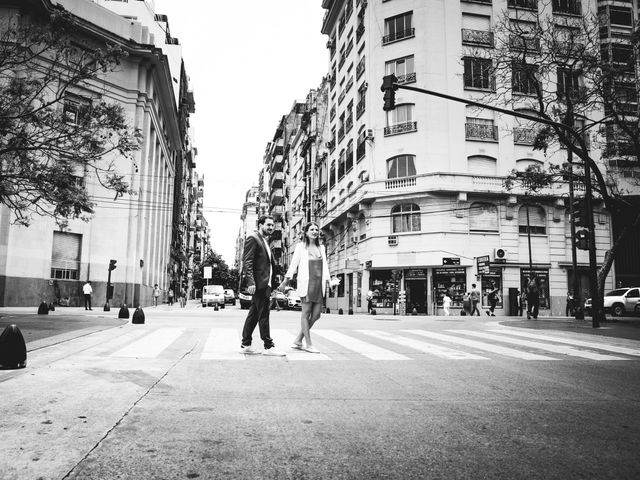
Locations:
{"points": [[523, 163], [571, 7], [65, 256], [481, 129], [75, 109], [397, 28], [332, 174], [482, 165], [341, 165], [537, 220], [523, 78], [401, 114], [476, 30], [478, 73], [405, 218], [402, 68], [568, 83], [340, 277], [619, 15], [401, 166], [483, 217]]}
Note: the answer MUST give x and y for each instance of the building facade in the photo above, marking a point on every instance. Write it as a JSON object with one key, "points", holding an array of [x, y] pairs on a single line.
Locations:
{"points": [[147, 233]]}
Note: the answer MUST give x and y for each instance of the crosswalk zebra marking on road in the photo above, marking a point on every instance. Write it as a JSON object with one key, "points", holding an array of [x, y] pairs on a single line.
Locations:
{"points": [[438, 351], [509, 352], [369, 350], [151, 345], [222, 344], [284, 337], [569, 341], [541, 346]]}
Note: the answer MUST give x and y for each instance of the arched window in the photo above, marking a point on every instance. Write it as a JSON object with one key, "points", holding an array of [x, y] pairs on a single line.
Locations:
{"points": [[537, 219], [405, 218], [363, 176], [401, 166], [523, 163], [482, 165], [483, 217]]}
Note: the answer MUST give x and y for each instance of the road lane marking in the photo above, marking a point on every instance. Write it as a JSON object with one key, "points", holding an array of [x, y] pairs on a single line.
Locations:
{"points": [[368, 350], [570, 341], [541, 346], [151, 345], [509, 352], [284, 339], [438, 351], [222, 344]]}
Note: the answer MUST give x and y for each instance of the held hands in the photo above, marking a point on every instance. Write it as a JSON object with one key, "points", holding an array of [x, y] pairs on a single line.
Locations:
{"points": [[251, 289]]}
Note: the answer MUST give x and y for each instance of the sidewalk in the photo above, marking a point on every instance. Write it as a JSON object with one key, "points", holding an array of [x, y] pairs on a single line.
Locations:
{"points": [[619, 327]]}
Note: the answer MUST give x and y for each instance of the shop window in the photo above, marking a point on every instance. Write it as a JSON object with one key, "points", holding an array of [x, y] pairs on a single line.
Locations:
{"points": [[405, 218], [543, 277], [65, 256], [382, 287], [490, 281], [483, 217], [401, 166], [340, 277], [452, 281], [537, 223]]}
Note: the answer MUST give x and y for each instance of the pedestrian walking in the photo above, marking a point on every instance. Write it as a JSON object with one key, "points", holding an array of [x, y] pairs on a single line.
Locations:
{"points": [[259, 274], [183, 298], [492, 297], [87, 290], [156, 294], [475, 299], [309, 261], [446, 304], [170, 297], [533, 298], [519, 301], [571, 304]]}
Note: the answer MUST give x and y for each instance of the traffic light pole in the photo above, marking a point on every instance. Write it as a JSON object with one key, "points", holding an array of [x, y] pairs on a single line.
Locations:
{"points": [[390, 85]]}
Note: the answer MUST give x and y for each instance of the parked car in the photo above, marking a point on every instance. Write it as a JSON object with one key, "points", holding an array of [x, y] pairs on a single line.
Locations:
{"points": [[229, 296], [293, 300], [618, 301], [213, 295], [278, 300]]}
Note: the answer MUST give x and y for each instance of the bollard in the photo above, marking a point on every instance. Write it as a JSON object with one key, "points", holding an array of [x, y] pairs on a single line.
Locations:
{"points": [[52, 307], [328, 310], [351, 311], [124, 311], [216, 308], [43, 309], [138, 316], [106, 307], [13, 350], [414, 311], [340, 312], [373, 311]]}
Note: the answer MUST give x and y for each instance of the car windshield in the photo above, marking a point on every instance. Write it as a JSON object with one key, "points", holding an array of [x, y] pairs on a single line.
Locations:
{"points": [[616, 293]]}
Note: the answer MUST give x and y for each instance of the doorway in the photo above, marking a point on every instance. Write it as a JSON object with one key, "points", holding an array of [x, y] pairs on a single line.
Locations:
{"points": [[416, 295]]}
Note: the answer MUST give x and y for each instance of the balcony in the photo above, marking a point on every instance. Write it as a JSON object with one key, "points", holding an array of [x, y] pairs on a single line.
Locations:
{"points": [[332, 113], [400, 128], [349, 84], [277, 212], [524, 136], [360, 69], [478, 131], [524, 43], [480, 38], [341, 96], [359, 32], [400, 183], [277, 179], [277, 195], [567, 7], [401, 35], [407, 78], [340, 133], [349, 48]]}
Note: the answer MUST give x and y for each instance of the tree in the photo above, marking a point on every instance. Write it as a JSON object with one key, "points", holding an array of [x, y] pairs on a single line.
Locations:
{"points": [[55, 126], [554, 67], [221, 274]]}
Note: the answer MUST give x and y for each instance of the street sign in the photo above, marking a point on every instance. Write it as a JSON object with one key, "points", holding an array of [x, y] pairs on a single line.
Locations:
{"points": [[451, 261], [207, 272], [352, 264], [484, 263]]}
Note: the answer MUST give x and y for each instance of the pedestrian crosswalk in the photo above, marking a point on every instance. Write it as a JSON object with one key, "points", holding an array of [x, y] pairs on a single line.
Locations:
{"points": [[222, 344]]}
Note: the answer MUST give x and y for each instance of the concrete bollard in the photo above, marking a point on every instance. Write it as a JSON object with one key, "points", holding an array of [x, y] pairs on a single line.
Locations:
{"points": [[138, 316], [340, 312], [351, 311], [43, 309], [124, 311], [328, 310], [414, 311], [13, 350], [373, 311], [216, 308]]}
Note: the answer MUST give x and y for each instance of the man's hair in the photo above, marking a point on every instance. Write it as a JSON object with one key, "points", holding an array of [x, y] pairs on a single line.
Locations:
{"points": [[264, 218]]}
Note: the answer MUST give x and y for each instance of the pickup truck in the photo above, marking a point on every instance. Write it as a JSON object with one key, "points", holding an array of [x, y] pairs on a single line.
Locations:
{"points": [[213, 295]]}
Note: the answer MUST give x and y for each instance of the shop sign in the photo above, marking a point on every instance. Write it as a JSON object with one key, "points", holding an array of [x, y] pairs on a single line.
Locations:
{"points": [[352, 264], [451, 261], [449, 271], [483, 263], [416, 274]]}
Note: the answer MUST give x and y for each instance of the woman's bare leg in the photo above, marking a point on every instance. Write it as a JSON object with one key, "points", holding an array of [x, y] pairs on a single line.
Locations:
{"points": [[304, 323]]}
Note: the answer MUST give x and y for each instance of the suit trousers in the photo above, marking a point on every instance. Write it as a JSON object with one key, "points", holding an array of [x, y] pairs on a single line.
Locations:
{"points": [[258, 315]]}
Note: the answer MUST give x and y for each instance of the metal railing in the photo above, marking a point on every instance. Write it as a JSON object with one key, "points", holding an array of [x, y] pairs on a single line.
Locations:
{"points": [[408, 33]]}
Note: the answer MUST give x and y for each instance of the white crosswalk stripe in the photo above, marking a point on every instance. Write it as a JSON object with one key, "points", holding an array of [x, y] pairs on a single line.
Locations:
{"points": [[284, 339], [438, 351], [570, 341], [363, 348], [541, 346], [222, 344], [151, 345], [489, 347]]}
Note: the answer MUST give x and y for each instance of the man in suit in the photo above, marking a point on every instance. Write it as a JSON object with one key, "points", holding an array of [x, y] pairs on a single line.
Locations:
{"points": [[258, 271]]}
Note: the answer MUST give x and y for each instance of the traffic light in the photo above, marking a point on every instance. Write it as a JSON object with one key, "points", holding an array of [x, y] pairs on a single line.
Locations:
{"points": [[579, 213], [582, 239], [112, 264], [389, 87]]}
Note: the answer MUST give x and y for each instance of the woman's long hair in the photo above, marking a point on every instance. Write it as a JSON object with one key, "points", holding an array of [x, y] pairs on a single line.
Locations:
{"points": [[305, 238]]}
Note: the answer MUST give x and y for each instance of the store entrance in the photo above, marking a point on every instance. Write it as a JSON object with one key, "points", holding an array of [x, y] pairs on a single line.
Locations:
{"points": [[416, 295]]}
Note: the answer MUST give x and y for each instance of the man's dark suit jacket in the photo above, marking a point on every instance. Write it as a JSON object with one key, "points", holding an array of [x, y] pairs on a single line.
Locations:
{"points": [[255, 263]]}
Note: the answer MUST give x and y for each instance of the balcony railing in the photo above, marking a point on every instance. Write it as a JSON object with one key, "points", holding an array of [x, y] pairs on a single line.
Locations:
{"points": [[408, 33], [406, 78], [524, 136], [478, 131], [406, 127], [477, 37], [570, 7], [400, 183], [528, 4], [518, 42]]}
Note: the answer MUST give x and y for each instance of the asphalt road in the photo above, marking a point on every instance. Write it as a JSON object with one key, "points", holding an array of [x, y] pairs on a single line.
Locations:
{"points": [[388, 397]]}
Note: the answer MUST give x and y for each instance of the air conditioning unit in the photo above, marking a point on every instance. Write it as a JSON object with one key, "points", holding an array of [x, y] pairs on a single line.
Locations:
{"points": [[392, 240], [500, 254], [354, 239], [369, 134], [330, 44]]}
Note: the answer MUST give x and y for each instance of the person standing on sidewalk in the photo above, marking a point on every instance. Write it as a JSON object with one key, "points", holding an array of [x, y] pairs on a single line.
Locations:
{"points": [[87, 290], [258, 270], [446, 304], [156, 294], [170, 297], [533, 298], [475, 299], [493, 299], [310, 263]]}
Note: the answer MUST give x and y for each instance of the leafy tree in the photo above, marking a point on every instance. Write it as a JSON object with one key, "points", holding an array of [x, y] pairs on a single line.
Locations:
{"points": [[221, 273], [554, 67], [55, 126]]}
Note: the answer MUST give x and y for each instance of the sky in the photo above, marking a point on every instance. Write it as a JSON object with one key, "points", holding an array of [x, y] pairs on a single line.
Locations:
{"points": [[248, 61]]}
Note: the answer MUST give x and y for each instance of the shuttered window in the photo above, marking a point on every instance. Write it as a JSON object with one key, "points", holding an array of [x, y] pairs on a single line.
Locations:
{"points": [[482, 165], [65, 257], [483, 217], [537, 220], [476, 22]]}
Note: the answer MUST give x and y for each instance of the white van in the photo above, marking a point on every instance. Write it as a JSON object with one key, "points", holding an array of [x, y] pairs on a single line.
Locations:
{"points": [[213, 295]]}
